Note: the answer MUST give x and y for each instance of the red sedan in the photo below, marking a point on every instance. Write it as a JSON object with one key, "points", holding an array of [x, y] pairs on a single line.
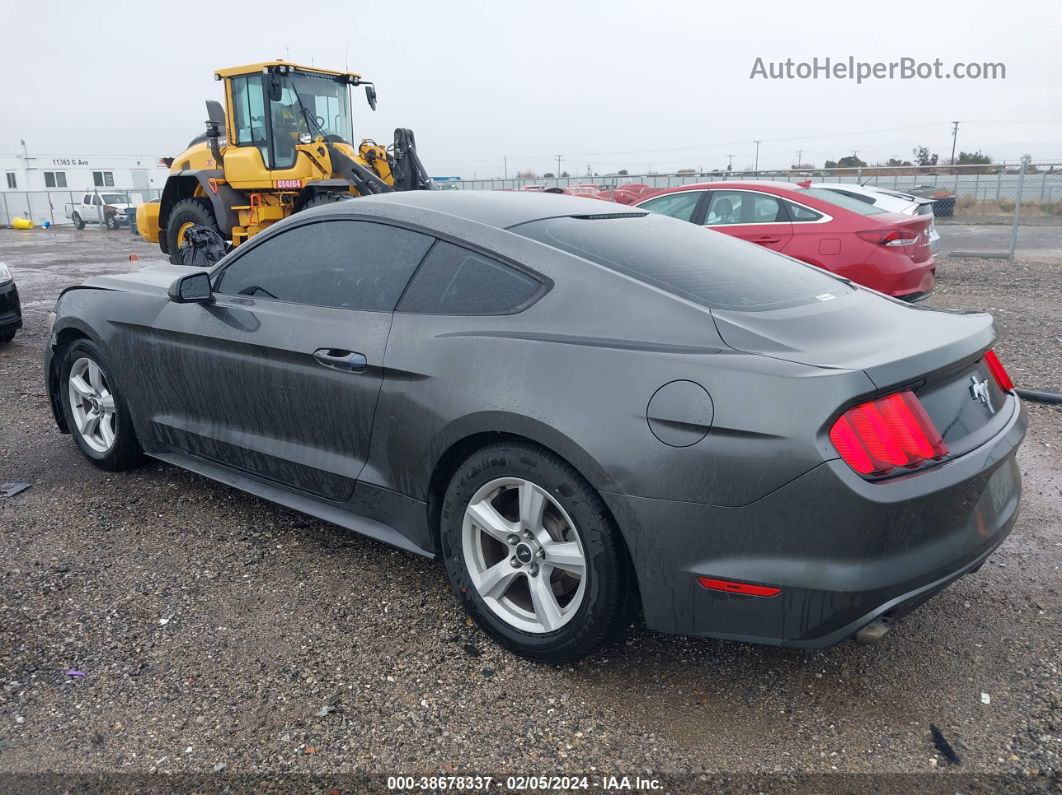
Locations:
{"points": [[884, 251]]}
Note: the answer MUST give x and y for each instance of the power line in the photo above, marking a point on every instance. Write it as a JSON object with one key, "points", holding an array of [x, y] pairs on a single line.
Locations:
{"points": [[821, 136]]}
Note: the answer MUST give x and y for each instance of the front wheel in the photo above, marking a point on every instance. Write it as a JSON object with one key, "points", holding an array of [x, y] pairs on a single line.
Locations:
{"points": [[533, 553], [187, 213], [96, 413]]}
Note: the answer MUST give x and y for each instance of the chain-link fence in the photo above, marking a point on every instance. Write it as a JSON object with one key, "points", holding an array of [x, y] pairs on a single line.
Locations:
{"points": [[994, 210], [57, 207]]}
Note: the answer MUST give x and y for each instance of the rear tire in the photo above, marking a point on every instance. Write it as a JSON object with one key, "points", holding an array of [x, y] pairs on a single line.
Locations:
{"points": [[7, 336], [197, 212], [570, 592], [322, 199], [95, 410], [78, 223]]}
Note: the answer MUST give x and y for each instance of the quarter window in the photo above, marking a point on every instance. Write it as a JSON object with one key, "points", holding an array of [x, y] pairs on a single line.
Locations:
{"points": [[55, 179], [676, 205], [801, 214], [455, 281], [344, 264], [103, 179], [743, 207]]}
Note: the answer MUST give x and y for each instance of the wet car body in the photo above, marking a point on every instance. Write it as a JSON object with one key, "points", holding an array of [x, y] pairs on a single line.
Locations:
{"points": [[703, 426], [10, 305]]}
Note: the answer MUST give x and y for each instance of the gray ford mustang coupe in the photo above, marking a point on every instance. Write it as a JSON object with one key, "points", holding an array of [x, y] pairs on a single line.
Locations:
{"points": [[578, 406]]}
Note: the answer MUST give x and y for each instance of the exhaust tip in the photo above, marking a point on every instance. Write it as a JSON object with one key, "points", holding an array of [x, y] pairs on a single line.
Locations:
{"points": [[872, 632]]}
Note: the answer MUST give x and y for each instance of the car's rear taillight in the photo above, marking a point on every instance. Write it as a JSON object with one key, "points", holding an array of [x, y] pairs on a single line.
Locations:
{"points": [[900, 236], [882, 436], [999, 372]]}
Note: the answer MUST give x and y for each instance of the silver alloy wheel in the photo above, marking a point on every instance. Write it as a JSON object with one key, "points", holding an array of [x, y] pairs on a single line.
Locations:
{"points": [[524, 555], [92, 404]]}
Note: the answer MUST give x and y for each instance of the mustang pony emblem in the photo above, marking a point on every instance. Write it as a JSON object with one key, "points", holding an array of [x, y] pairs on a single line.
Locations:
{"points": [[979, 391]]}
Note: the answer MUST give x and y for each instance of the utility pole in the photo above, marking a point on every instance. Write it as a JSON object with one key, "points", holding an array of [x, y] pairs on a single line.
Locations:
{"points": [[730, 164], [800, 157], [26, 166], [559, 158], [505, 166], [954, 138], [756, 168]]}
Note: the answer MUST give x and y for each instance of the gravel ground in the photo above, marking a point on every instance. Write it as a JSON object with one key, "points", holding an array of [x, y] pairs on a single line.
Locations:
{"points": [[215, 629]]}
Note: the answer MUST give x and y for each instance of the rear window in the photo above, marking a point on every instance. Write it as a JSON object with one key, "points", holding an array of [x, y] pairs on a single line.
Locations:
{"points": [[709, 268], [843, 200]]}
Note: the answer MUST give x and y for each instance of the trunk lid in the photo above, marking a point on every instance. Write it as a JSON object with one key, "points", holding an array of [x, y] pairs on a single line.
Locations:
{"points": [[914, 228], [937, 354]]}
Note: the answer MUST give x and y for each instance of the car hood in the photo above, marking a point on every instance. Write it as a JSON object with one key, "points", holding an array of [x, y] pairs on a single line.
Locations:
{"points": [[153, 277], [892, 342]]}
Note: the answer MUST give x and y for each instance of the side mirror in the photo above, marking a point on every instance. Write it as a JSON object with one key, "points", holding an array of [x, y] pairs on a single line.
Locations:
{"points": [[370, 94], [192, 289], [275, 88]]}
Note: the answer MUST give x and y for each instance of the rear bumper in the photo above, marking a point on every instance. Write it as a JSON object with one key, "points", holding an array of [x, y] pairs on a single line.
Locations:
{"points": [[913, 281], [843, 551]]}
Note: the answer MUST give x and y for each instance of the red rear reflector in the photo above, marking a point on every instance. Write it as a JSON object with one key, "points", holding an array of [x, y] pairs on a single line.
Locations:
{"points": [[998, 371], [738, 587], [881, 436]]}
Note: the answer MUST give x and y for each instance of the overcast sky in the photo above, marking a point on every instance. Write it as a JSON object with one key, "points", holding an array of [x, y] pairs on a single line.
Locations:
{"points": [[611, 84]]}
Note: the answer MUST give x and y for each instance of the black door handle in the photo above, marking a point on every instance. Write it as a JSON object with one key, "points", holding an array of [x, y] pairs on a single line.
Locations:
{"points": [[337, 359]]}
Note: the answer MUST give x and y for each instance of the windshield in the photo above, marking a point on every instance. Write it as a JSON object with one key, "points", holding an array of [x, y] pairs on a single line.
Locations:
{"points": [[709, 268], [843, 200], [310, 104]]}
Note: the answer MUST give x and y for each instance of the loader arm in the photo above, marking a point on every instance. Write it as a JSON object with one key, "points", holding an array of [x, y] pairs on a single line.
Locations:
{"points": [[409, 173], [356, 174]]}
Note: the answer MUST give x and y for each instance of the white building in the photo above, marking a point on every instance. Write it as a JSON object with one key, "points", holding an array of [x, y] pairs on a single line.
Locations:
{"points": [[39, 185]]}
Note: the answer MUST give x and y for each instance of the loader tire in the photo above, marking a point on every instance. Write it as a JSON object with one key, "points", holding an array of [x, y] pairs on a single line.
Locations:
{"points": [[195, 212], [325, 198]]}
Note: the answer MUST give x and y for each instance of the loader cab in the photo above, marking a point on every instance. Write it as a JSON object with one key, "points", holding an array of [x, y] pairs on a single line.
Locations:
{"points": [[275, 107]]}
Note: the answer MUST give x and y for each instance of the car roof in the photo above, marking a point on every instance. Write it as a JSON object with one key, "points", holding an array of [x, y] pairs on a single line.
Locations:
{"points": [[734, 183], [501, 209]]}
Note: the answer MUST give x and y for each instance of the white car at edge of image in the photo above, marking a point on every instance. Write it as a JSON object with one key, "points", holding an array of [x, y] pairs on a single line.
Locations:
{"points": [[892, 201]]}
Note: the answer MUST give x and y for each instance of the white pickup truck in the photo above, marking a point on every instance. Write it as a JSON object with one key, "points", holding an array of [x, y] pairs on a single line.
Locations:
{"points": [[110, 209]]}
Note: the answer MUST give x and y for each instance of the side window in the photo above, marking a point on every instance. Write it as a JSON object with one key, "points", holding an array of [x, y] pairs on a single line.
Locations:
{"points": [[801, 214], [344, 264], [455, 281], [676, 205], [87, 199], [743, 207]]}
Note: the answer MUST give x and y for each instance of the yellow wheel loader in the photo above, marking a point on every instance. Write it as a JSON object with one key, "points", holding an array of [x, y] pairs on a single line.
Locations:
{"points": [[282, 143]]}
